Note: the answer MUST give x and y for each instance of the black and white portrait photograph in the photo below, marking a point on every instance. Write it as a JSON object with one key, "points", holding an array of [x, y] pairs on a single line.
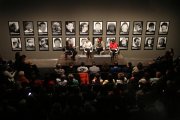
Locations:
{"points": [[82, 41], [28, 27], [137, 27], [163, 28], [42, 28], [136, 43], [71, 41], [16, 43], [161, 43], [83, 28], [111, 28], [97, 27], [123, 43], [124, 28], [56, 27], [148, 43], [70, 27], [14, 28], [30, 43], [108, 40], [57, 43], [43, 43], [150, 27]]}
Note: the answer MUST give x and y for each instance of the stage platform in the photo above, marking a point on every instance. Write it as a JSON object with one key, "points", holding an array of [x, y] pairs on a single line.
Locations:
{"points": [[99, 59]]}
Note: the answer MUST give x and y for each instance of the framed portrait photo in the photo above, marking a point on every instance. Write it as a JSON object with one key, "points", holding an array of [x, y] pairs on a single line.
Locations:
{"points": [[84, 28], [43, 43], [97, 28], [124, 27], [56, 27], [14, 28], [108, 40], [137, 27], [149, 43], [70, 27], [123, 43], [16, 43], [57, 43], [150, 27], [163, 28], [42, 27], [111, 28], [71, 40], [136, 43], [28, 27], [82, 41], [30, 43], [161, 43]]}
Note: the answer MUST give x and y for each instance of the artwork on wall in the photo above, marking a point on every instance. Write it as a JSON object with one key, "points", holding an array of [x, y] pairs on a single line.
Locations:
{"points": [[137, 27], [111, 28], [150, 28], [16, 43], [71, 40], [97, 27], [161, 43], [70, 27], [42, 27], [124, 27], [163, 28], [148, 43], [136, 43], [28, 27], [83, 28], [43, 43], [123, 43], [56, 27], [108, 40], [82, 40], [57, 43], [30, 43], [14, 28]]}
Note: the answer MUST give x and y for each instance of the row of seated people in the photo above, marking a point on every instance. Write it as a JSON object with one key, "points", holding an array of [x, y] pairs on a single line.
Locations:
{"points": [[150, 87], [99, 49], [63, 92]]}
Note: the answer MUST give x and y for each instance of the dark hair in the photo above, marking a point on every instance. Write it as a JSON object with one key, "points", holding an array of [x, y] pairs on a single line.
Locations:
{"points": [[83, 24], [151, 24], [113, 40], [111, 25], [164, 24], [28, 39], [27, 23], [41, 23], [135, 39]]}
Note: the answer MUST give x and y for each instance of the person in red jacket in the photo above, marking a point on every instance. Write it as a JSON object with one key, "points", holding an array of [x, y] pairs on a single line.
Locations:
{"points": [[113, 48]]}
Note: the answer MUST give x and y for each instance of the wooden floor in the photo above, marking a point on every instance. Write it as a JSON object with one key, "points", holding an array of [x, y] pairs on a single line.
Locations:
{"points": [[99, 59]]}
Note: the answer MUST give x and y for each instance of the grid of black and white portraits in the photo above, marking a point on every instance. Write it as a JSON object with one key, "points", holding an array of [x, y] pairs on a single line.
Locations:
{"points": [[113, 28]]}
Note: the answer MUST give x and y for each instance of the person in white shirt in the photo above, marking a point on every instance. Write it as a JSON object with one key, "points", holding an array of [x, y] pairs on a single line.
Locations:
{"points": [[88, 48]]}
